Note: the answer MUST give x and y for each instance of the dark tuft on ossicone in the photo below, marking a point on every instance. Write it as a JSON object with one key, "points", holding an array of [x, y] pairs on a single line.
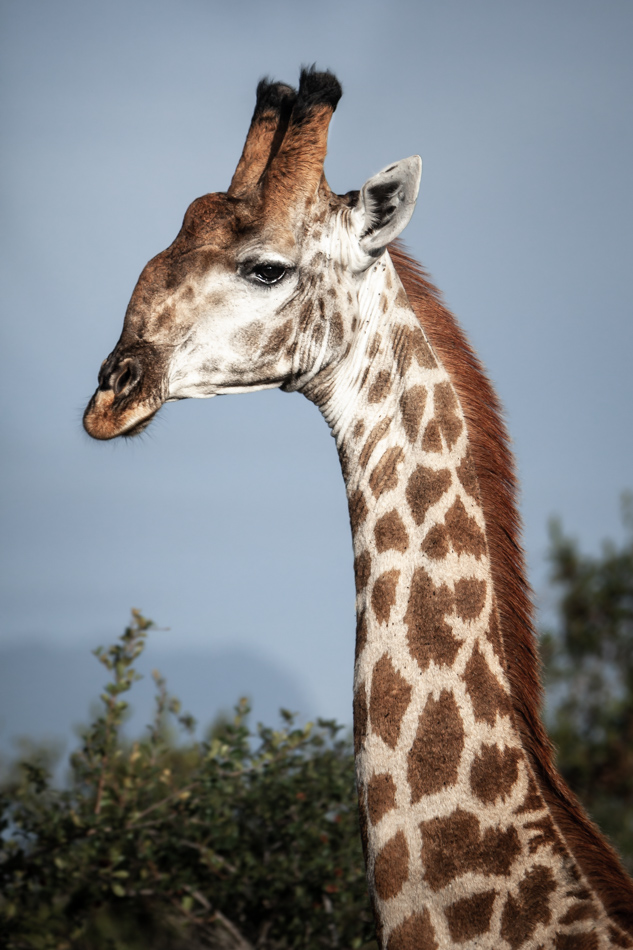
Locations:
{"points": [[275, 97], [315, 89]]}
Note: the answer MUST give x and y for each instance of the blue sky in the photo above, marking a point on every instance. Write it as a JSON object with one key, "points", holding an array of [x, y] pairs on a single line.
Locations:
{"points": [[227, 523]]}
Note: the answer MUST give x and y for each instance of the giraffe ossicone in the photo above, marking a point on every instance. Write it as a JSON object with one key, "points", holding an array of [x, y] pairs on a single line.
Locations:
{"points": [[471, 838]]}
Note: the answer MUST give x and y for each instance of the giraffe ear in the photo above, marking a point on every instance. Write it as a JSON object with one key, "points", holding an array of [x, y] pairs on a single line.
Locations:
{"points": [[386, 203]]}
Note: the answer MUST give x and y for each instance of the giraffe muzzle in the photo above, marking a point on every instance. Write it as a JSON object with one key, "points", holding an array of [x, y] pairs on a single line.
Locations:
{"points": [[126, 400]]}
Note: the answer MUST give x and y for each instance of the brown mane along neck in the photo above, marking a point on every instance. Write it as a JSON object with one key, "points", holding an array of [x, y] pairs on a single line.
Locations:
{"points": [[494, 464]]}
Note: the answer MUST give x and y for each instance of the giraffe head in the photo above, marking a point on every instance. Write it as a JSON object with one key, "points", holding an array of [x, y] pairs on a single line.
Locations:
{"points": [[260, 287]]}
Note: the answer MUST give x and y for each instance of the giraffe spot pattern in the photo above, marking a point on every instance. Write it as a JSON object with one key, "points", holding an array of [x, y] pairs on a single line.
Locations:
{"points": [[522, 914], [384, 477], [437, 748], [380, 387], [305, 317], [582, 893], [374, 437], [459, 530], [414, 933], [381, 796], [390, 533], [343, 456], [389, 700], [391, 869], [463, 531], [493, 773], [578, 941], [454, 845], [318, 329], [470, 597], [374, 347], [493, 633], [546, 834], [584, 911], [532, 800], [486, 694], [383, 596], [362, 570], [424, 489], [364, 377], [470, 916], [432, 438], [468, 477], [429, 636], [436, 544], [357, 431], [446, 413], [412, 403], [360, 718], [357, 509], [361, 633], [337, 329], [409, 344]]}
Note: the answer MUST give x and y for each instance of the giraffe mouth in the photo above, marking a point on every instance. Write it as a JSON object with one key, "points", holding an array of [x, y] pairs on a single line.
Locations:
{"points": [[103, 420], [138, 427]]}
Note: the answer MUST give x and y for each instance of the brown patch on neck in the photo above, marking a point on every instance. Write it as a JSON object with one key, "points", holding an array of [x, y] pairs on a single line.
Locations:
{"points": [[425, 487], [390, 533], [357, 509], [486, 693], [377, 433], [437, 748], [392, 867], [412, 403], [429, 636], [384, 477], [455, 845], [493, 773], [415, 933], [522, 914], [389, 700], [383, 596], [470, 917], [381, 796], [493, 469], [432, 439]]}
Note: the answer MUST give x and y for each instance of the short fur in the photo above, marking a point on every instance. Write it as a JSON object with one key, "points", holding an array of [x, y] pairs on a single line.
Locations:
{"points": [[495, 469], [273, 106], [296, 171]]}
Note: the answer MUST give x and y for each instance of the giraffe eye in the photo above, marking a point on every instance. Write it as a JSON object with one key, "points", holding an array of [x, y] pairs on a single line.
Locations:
{"points": [[268, 273]]}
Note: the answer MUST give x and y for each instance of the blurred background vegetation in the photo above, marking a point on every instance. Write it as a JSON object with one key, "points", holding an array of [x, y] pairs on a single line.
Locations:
{"points": [[588, 665], [249, 839]]}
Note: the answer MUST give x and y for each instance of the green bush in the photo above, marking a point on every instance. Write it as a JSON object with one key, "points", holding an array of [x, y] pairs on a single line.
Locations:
{"points": [[589, 675], [241, 840]]}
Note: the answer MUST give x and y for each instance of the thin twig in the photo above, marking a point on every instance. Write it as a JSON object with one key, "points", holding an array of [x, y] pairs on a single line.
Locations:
{"points": [[163, 801]]}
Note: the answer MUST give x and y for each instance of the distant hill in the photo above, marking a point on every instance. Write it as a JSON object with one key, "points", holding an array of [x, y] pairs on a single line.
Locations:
{"points": [[46, 693]]}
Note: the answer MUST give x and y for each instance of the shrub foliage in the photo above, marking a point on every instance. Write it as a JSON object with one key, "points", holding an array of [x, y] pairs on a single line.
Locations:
{"points": [[242, 840], [589, 675]]}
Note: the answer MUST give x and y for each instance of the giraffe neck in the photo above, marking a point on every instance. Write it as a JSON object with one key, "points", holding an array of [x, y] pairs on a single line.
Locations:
{"points": [[459, 843]]}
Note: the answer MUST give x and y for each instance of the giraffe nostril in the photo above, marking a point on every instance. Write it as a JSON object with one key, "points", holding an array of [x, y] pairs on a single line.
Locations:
{"points": [[125, 378]]}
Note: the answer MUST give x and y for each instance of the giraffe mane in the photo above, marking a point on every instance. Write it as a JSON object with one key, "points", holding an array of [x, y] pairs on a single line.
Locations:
{"points": [[494, 463]]}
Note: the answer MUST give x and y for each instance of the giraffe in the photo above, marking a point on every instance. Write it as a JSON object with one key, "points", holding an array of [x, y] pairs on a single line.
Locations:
{"points": [[471, 838]]}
